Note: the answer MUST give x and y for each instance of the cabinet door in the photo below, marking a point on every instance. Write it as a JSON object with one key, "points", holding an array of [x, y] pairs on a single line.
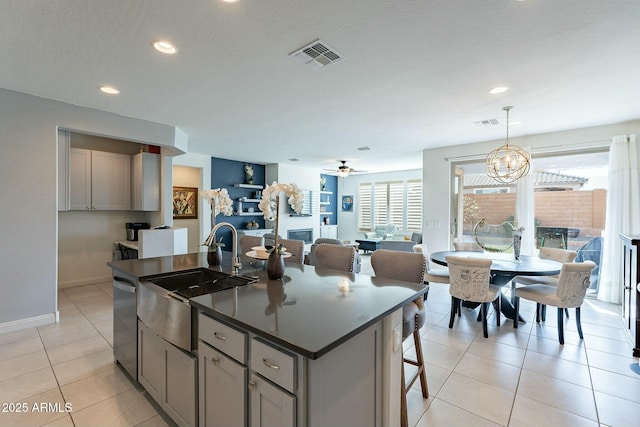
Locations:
{"points": [[179, 390], [79, 179], [145, 182], [63, 170], [110, 181], [223, 389], [150, 361], [270, 405]]}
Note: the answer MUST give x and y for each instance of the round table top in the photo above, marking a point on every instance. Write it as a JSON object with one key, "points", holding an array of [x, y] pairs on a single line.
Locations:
{"points": [[505, 264]]}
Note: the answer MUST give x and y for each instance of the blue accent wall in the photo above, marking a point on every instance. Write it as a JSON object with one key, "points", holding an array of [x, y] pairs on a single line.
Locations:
{"points": [[332, 185], [225, 174]]}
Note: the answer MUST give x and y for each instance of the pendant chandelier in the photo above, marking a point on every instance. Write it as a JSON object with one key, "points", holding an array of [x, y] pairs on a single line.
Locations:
{"points": [[508, 163]]}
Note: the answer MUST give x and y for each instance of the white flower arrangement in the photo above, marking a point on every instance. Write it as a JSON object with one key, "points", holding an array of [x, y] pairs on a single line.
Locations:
{"points": [[323, 181], [220, 203], [270, 195], [219, 200], [270, 203]]}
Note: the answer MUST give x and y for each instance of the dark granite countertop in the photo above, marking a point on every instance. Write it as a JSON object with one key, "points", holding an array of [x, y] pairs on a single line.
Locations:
{"points": [[310, 312]]}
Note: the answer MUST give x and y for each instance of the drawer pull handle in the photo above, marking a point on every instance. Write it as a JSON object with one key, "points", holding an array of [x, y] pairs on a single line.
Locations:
{"points": [[252, 385], [219, 336], [270, 365], [215, 360]]}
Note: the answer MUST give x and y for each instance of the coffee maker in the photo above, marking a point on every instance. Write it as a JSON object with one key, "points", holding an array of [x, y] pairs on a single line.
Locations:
{"points": [[133, 227]]}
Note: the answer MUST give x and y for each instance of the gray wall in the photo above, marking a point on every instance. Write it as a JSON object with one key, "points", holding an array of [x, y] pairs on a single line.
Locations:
{"points": [[28, 176]]}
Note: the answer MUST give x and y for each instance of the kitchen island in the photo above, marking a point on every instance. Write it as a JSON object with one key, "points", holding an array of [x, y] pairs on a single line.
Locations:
{"points": [[317, 348]]}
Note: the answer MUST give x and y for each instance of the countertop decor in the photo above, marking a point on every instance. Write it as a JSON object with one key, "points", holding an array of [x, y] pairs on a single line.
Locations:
{"points": [[220, 203]]}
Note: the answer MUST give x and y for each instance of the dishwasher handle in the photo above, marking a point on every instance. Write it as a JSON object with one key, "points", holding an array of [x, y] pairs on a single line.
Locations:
{"points": [[124, 285]]}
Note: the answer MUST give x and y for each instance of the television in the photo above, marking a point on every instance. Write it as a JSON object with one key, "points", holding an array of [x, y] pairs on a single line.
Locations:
{"points": [[306, 205]]}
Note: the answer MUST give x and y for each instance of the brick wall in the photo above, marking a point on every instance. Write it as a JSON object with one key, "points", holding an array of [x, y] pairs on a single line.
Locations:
{"points": [[573, 209]]}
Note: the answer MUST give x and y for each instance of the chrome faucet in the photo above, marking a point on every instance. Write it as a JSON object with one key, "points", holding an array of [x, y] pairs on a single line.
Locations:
{"points": [[235, 263]]}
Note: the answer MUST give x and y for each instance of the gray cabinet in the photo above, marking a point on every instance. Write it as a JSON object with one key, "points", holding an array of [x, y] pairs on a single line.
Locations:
{"points": [[169, 375], [145, 182], [246, 380], [99, 180], [223, 389], [270, 405], [224, 402], [150, 361]]}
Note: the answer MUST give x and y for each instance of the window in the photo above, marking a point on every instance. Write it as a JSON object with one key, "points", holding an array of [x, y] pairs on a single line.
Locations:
{"points": [[393, 202]]}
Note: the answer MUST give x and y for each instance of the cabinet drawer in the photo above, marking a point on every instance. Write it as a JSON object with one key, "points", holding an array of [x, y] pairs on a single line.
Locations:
{"points": [[223, 337], [274, 364]]}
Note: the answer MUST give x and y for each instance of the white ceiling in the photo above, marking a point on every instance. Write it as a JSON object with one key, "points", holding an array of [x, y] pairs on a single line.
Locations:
{"points": [[415, 73]]}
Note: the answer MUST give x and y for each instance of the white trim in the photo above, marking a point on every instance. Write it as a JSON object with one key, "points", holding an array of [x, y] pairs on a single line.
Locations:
{"points": [[30, 322]]}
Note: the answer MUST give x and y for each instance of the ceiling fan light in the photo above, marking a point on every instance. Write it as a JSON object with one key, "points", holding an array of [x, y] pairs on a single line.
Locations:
{"points": [[343, 173]]}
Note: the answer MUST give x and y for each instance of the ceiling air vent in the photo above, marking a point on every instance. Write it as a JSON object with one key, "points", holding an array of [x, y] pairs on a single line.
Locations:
{"points": [[316, 55], [486, 123]]}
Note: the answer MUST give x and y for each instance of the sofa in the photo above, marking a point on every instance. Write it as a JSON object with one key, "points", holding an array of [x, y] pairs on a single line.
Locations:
{"points": [[402, 245], [311, 257], [382, 232]]}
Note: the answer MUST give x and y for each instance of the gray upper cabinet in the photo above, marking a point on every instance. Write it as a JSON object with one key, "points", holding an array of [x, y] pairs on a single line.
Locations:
{"points": [[145, 182], [99, 180]]}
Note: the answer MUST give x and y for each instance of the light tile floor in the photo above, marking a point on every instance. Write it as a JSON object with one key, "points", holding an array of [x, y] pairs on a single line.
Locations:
{"points": [[515, 377]]}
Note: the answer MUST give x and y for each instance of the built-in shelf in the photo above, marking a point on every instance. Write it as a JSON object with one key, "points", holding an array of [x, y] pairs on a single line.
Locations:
{"points": [[326, 213], [247, 213], [326, 192], [254, 186], [252, 200], [325, 203]]}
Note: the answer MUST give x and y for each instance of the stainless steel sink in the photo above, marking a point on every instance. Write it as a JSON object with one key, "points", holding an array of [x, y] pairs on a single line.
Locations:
{"points": [[199, 281]]}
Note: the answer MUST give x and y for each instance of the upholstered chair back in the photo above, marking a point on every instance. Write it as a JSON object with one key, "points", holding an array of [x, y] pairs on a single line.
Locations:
{"points": [[556, 254], [335, 257], [295, 248], [248, 242], [575, 279], [469, 278]]}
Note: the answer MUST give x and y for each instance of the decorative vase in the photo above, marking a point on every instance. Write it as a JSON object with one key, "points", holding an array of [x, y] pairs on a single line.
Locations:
{"points": [[275, 266], [324, 187], [214, 256]]}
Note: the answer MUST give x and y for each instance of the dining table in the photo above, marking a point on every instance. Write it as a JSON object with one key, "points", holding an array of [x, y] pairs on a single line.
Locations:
{"points": [[504, 267]]}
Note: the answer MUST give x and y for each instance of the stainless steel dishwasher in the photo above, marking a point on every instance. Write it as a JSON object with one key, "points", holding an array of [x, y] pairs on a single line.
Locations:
{"points": [[125, 324]]}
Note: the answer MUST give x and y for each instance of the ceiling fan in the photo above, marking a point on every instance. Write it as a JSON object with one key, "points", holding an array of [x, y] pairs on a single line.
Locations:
{"points": [[344, 170]]}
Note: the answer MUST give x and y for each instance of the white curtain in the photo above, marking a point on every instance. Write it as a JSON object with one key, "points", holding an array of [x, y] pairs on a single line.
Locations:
{"points": [[525, 210], [622, 214]]}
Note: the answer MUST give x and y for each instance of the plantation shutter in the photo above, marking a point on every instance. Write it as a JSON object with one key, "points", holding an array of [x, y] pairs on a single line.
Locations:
{"points": [[396, 203], [364, 206], [381, 204], [414, 205]]}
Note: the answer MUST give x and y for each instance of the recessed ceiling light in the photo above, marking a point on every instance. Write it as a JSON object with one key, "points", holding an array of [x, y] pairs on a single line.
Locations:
{"points": [[364, 148], [293, 159], [498, 89], [165, 47], [230, 1], [110, 90]]}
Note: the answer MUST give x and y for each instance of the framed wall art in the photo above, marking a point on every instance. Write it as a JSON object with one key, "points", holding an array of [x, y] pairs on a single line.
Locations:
{"points": [[347, 203], [185, 203]]}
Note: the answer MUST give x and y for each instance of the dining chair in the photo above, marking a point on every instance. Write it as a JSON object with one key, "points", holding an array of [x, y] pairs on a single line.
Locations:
{"points": [[470, 281], [431, 275], [575, 279], [336, 257], [556, 254], [248, 242], [408, 267], [295, 248]]}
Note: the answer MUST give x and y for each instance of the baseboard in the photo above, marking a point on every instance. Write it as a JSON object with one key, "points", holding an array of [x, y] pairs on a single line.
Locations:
{"points": [[30, 322], [82, 282]]}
